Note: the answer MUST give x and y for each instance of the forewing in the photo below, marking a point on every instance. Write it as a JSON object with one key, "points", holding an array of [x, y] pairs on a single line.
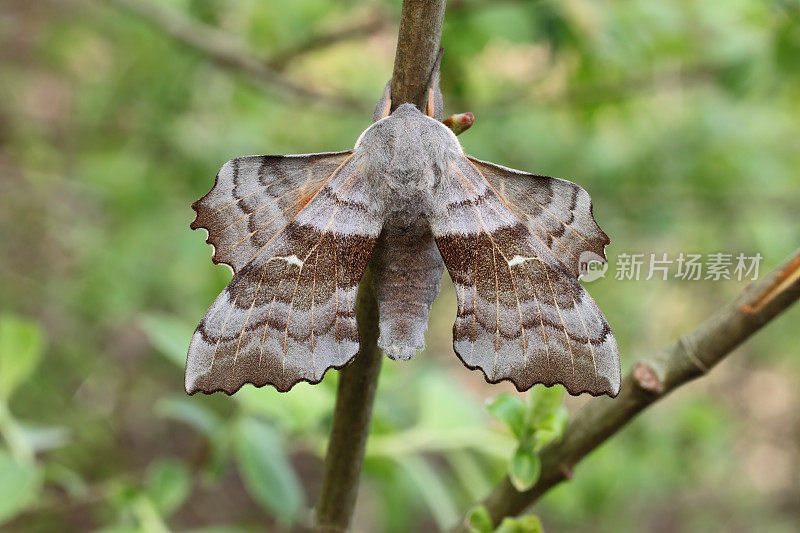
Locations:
{"points": [[522, 315], [557, 211], [289, 312], [254, 197]]}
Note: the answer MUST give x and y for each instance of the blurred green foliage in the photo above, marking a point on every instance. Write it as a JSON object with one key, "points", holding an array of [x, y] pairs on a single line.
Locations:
{"points": [[680, 119], [480, 522], [535, 425]]}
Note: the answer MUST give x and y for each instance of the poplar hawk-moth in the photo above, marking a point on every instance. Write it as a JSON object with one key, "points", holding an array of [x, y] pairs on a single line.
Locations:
{"points": [[299, 230]]}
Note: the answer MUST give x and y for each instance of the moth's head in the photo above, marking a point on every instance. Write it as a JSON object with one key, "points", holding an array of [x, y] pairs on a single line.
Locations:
{"points": [[434, 105], [406, 111]]}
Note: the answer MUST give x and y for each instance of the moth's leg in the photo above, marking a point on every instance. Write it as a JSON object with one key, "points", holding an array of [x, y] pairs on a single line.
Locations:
{"points": [[407, 274]]}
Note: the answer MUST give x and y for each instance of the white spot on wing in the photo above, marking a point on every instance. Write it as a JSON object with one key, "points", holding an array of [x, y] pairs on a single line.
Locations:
{"points": [[291, 259], [518, 260]]}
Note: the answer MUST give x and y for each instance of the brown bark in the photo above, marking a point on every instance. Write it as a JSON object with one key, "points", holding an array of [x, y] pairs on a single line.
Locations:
{"points": [[417, 49]]}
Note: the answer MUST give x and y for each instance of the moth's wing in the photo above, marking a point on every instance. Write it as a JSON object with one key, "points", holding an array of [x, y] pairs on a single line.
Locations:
{"points": [[557, 211], [298, 232], [522, 315]]}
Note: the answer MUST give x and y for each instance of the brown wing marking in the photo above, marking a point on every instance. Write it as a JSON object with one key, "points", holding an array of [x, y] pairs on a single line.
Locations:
{"points": [[302, 203], [254, 198], [514, 188]]}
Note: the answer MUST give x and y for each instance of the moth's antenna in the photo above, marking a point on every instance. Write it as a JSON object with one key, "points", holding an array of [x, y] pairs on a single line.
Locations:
{"points": [[435, 68]]}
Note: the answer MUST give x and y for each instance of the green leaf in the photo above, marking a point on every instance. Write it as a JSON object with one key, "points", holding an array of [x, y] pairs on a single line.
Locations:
{"points": [[19, 486], [509, 409], [22, 343], [169, 335], [479, 521], [42, 438], [469, 470], [266, 471], [522, 524], [524, 468], [551, 428], [301, 412], [67, 479], [194, 413], [168, 483], [216, 463], [121, 493], [147, 515], [543, 402]]}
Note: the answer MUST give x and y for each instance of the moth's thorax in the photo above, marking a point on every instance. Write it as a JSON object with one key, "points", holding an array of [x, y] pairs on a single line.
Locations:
{"points": [[404, 157]]}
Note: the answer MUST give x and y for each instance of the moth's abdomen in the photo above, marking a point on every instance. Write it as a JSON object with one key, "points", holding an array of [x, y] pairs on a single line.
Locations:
{"points": [[407, 274]]}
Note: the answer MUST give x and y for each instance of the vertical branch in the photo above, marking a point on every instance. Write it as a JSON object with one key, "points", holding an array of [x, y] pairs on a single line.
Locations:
{"points": [[351, 417], [417, 48]]}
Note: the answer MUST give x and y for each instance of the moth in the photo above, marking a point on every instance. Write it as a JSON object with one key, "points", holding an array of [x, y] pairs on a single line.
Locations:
{"points": [[299, 230]]}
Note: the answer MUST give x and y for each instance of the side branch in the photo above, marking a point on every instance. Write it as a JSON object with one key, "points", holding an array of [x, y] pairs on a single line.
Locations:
{"points": [[374, 23], [652, 378], [228, 52]]}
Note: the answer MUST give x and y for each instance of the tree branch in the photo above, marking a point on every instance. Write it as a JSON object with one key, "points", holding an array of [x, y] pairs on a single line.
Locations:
{"points": [[228, 52], [358, 381], [650, 379], [351, 417], [417, 48], [375, 22]]}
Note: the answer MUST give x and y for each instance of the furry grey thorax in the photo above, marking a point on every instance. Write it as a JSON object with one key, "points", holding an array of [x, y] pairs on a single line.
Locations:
{"points": [[404, 156]]}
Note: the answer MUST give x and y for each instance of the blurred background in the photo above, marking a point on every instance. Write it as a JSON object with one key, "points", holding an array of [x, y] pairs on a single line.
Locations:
{"points": [[680, 118]]}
